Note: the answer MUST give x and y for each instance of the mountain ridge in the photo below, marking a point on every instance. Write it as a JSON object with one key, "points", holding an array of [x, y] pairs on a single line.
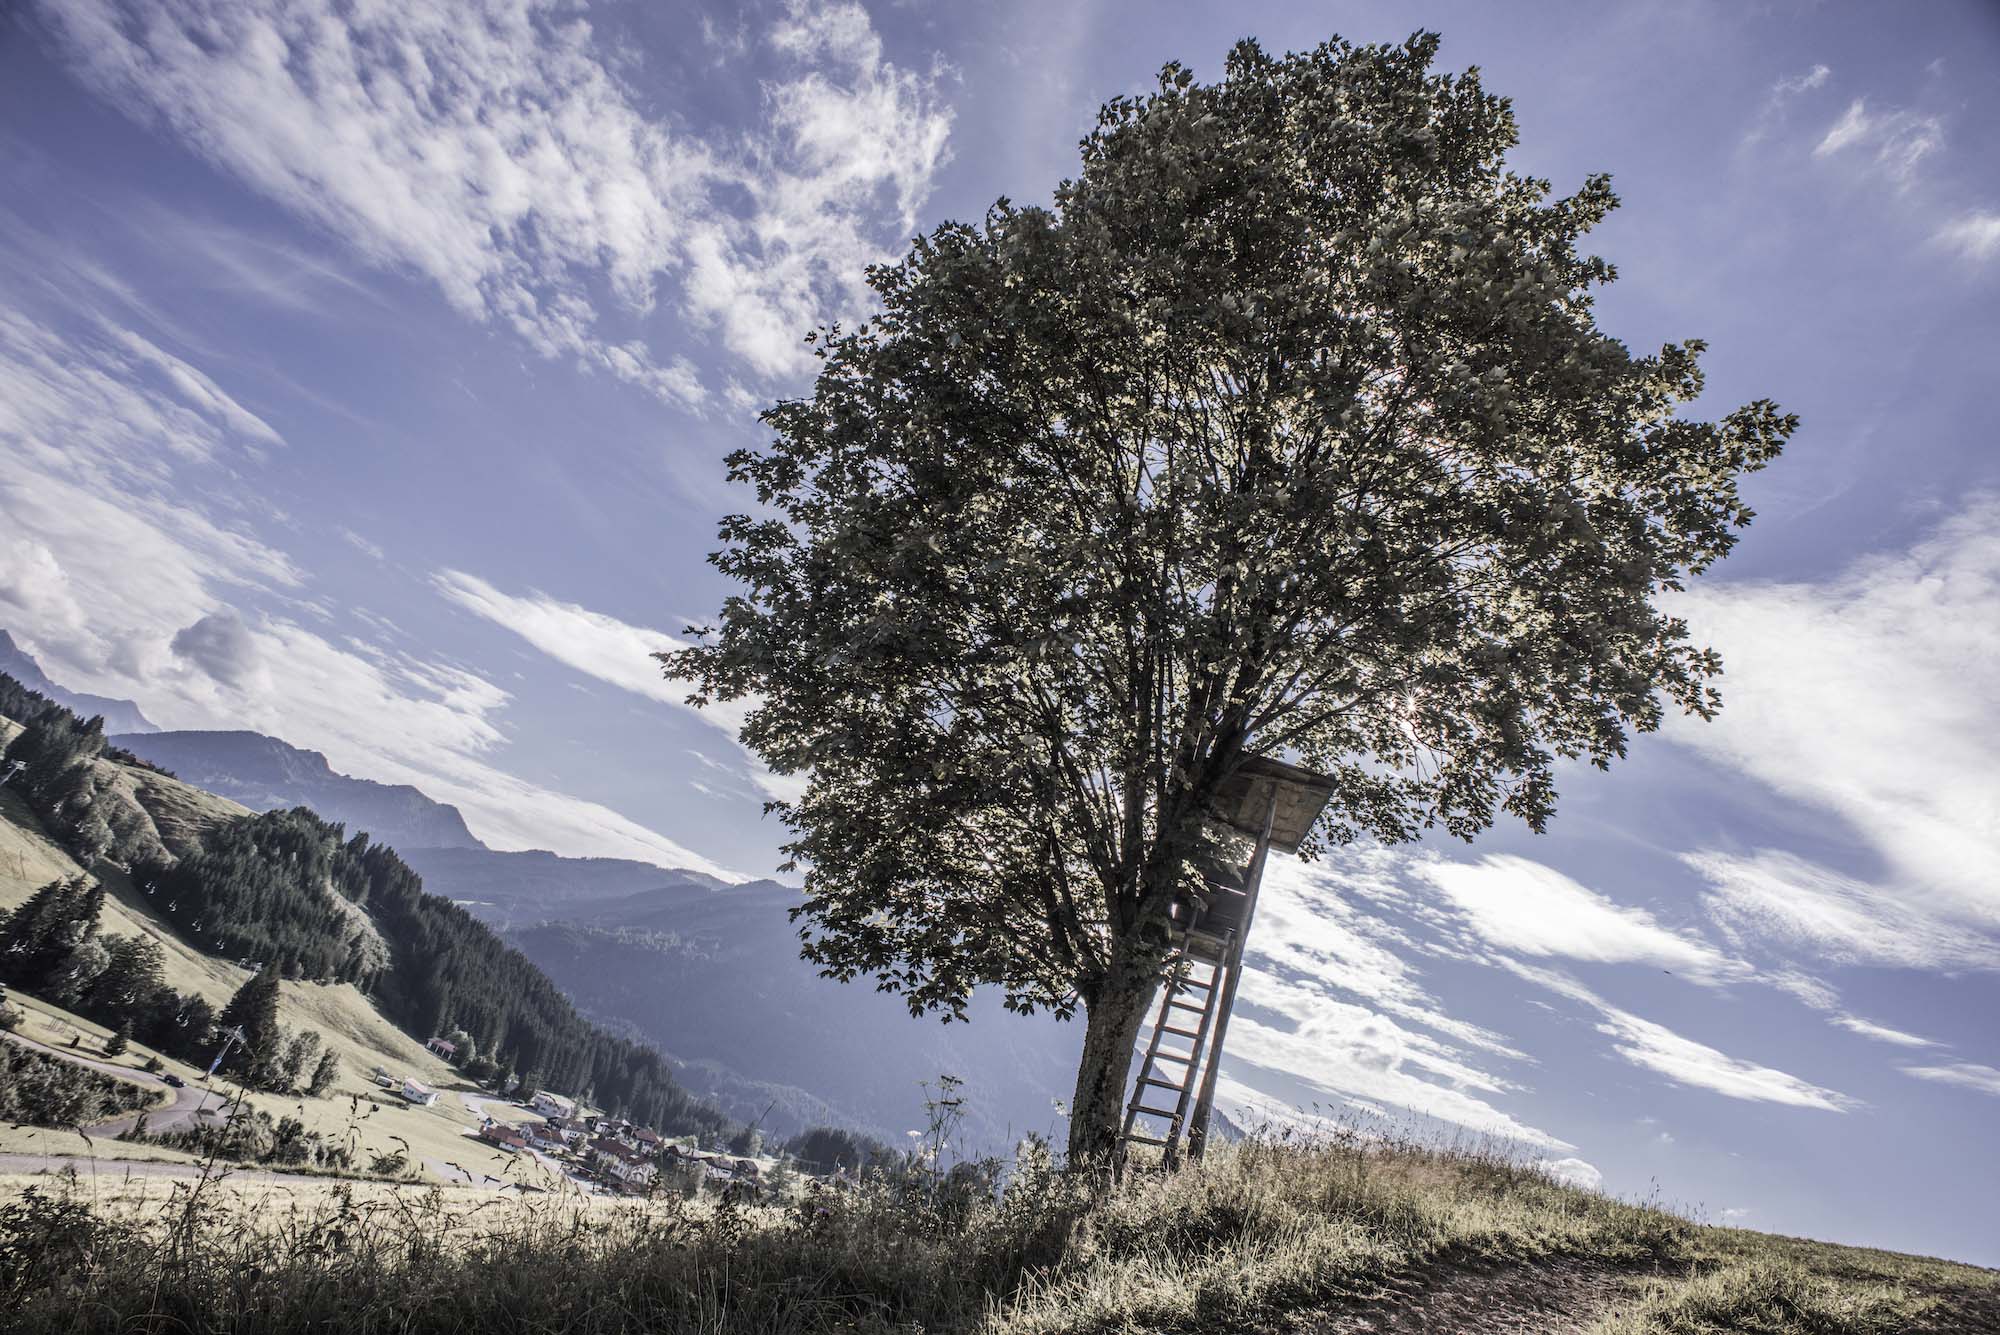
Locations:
{"points": [[264, 773], [118, 715]]}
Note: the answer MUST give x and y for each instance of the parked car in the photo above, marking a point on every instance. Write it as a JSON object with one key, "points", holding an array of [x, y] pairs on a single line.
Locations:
{"points": [[173, 1081]]}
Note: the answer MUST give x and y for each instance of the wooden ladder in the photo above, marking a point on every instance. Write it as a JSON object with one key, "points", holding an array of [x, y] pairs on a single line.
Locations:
{"points": [[1159, 1083]]}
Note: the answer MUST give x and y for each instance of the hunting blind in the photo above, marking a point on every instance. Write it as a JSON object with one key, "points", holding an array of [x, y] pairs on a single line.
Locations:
{"points": [[1274, 804]]}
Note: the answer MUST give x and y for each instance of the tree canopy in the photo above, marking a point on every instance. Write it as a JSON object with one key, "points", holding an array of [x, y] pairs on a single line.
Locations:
{"points": [[1287, 429]]}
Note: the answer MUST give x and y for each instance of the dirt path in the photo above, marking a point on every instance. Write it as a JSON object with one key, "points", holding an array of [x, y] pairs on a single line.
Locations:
{"points": [[1532, 1298]]}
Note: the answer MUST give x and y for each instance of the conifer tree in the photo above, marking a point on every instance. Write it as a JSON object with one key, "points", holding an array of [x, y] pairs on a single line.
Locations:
{"points": [[42, 933], [254, 1010]]}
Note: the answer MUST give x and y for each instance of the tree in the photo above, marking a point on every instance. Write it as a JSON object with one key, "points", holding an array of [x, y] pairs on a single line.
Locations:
{"points": [[185, 1033], [299, 1049], [747, 1141], [78, 971], [825, 1149], [254, 1010], [324, 1074], [134, 973], [120, 1039], [40, 936], [1287, 431]]}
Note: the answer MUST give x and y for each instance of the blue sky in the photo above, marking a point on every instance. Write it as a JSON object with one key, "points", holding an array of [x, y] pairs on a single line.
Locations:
{"points": [[365, 371]]}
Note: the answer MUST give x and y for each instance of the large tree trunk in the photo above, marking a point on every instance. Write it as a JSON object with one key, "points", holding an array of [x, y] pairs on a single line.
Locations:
{"points": [[1113, 1016]]}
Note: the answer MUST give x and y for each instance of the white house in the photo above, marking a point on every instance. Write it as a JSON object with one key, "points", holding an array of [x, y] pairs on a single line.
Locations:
{"points": [[552, 1105], [416, 1091], [543, 1137], [622, 1162]]}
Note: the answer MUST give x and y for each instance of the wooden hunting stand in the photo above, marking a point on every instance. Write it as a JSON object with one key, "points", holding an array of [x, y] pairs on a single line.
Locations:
{"points": [[1275, 804]]}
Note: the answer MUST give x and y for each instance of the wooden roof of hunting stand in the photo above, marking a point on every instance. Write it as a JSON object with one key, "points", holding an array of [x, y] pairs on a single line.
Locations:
{"points": [[1276, 804], [1243, 799]]}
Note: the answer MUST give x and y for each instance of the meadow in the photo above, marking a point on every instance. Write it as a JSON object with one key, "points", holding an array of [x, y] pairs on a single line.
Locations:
{"points": [[1281, 1233], [378, 1122]]}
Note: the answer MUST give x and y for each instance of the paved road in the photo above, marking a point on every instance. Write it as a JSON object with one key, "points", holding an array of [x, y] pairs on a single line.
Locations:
{"points": [[182, 1111]]}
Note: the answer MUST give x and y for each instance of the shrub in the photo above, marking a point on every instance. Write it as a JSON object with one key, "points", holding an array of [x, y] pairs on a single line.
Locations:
{"points": [[44, 1090]]}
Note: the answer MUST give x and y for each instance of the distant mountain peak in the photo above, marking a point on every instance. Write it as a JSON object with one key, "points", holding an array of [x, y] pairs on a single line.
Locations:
{"points": [[118, 715], [265, 773]]}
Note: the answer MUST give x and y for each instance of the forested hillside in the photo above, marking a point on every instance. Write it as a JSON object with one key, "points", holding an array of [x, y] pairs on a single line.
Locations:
{"points": [[299, 896]]}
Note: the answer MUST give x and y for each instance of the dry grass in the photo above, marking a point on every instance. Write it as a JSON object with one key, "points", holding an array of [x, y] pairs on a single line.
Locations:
{"points": [[1739, 1281], [1256, 1240], [1264, 1230]]}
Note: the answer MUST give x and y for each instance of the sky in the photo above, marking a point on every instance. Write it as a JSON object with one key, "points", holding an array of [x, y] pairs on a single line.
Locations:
{"points": [[366, 371]]}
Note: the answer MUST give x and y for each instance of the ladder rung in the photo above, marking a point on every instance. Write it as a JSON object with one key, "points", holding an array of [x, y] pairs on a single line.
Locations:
{"points": [[1182, 1033], [1188, 1006], [1163, 1084], [1154, 1112], [1189, 982], [1184, 1058], [1144, 1140]]}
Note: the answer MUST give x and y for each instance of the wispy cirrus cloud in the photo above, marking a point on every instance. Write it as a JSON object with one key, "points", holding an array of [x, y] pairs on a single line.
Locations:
{"points": [[1518, 905], [1895, 142], [1882, 1033], [1872, 696], [1966, 1075], [1976, 236], [492, 149], [1780, 898], [608, 649], [1683, 1060], [1784, 91]]}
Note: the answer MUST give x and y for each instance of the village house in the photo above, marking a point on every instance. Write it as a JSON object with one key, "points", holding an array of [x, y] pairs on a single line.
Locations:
{"points": [[416, 1091], [570, 1129], [544, 1137], [444, 1049], [552, 1105], [509, 1138], [620, 1161]]}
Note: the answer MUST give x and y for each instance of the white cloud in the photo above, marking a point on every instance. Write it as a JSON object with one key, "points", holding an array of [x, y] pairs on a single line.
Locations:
{"points": [[1976, 236], [1873, 696], [1575, 1173], [490, 148], [1820, 997], [196, 388], [1308, 928], [1793, 85], [606, 648], [121, 582], [1897, 141], [1782, 92], [1967, 1075], [1779, 897], [1519, 905], [1683, 1060], [1881, 1033], [1345, 996]]}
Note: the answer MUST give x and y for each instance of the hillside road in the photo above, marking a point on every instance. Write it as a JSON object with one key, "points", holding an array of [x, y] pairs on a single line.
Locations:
{"points": [[181, 1111]]}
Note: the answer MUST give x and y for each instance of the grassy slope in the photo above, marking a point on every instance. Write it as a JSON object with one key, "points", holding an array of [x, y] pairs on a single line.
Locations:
{"points": [[1263, 1238], [347, 1021]]}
